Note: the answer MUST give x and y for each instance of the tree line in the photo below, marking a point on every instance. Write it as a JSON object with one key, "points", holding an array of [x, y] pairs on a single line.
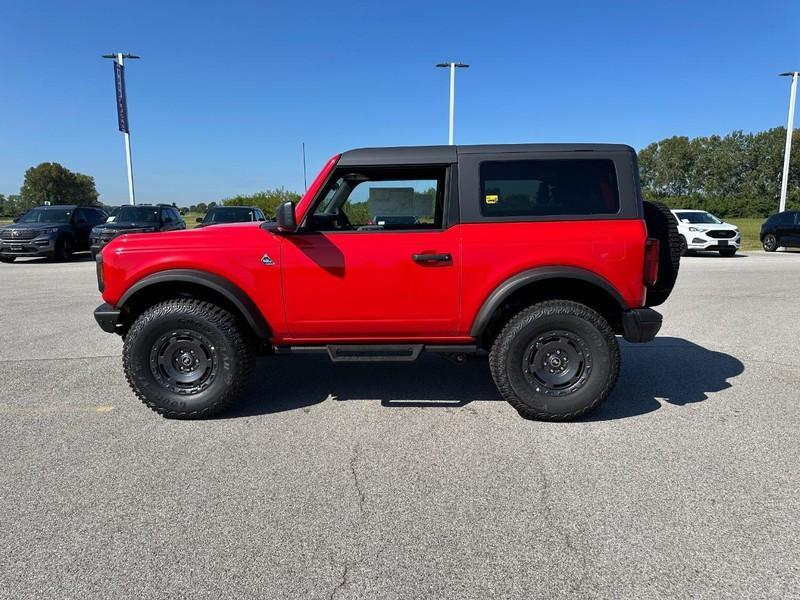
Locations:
{"points": [[736, 175]]}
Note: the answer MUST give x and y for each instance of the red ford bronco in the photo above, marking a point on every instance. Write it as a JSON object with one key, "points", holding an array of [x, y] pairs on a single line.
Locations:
{"points": [[538, 254]]}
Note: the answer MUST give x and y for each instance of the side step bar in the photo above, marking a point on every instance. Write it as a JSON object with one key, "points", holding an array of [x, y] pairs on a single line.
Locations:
{"points": [[376, 352]]}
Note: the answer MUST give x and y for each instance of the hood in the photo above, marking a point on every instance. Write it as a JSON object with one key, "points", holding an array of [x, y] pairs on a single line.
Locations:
{"points": [[707, 226], [122, 227], [28, 226], [223, 237]]}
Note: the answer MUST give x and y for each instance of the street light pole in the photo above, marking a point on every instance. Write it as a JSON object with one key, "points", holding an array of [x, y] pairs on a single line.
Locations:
{"points": [[789, 129], [452, 66], [122, 115]]}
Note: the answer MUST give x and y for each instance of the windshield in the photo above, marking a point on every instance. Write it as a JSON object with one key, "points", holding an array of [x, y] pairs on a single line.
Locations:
{"points": [[47, 215], [698, 217], [228, 215], [137, 214]]}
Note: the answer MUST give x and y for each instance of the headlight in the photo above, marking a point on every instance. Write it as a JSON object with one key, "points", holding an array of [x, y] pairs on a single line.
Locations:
{"points": [[697, 229], [52, 230], [95, 232]]}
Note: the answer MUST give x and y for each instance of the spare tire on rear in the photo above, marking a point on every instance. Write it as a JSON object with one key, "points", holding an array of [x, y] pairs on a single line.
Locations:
{"points": [[662, 225]]}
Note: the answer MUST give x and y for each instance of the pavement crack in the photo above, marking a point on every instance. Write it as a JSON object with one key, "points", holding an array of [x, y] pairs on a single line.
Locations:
{"points": [[356, 480], [341, 584]]}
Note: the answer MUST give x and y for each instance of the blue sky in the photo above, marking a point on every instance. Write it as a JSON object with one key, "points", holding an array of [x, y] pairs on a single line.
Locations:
{"points": [[226, 92]]}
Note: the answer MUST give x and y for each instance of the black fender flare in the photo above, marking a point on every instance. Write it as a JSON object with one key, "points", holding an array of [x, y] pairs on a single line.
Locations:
{"points": [[515, 282], [216, 283]]}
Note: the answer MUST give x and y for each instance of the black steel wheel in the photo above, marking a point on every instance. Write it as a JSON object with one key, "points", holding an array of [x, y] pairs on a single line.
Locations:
{"points": [[557, 363], [555, 360], [187, 358]]}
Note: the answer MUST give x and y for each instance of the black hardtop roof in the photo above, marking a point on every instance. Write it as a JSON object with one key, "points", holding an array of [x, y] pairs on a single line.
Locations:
{"points": [[418, 155]]}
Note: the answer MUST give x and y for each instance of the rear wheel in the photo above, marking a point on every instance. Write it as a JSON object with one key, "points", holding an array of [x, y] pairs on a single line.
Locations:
{"points": [[555, 361], [770, 243], [661, 224], [186, 358], [728, 252]]}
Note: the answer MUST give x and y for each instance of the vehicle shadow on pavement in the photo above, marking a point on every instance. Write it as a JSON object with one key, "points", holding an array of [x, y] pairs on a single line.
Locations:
{"points": [[667, 369], [283, 383]]}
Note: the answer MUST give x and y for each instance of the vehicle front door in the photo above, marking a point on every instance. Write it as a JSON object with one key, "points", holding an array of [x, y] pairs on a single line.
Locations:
{"points": [[374, 259]]}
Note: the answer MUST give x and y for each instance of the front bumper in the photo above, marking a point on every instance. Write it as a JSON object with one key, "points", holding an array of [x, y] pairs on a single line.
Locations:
{"points": [[697, 240], [107, 317], [40, 246], [640, 324]]}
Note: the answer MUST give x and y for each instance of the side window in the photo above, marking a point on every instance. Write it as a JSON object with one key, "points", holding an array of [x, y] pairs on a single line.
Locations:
{"points": [[531, 188], [97, 217], [382, 200], [79, 214]]}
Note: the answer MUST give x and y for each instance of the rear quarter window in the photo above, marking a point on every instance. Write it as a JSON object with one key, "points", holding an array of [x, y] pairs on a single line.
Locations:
{"points": [[533, 188]]}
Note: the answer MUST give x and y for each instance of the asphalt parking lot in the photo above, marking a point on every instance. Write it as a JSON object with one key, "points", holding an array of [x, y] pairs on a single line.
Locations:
{"points": [[407, 481]]}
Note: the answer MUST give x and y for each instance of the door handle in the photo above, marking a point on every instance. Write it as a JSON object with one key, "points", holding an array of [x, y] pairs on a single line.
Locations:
{"points": [[427, 258]]}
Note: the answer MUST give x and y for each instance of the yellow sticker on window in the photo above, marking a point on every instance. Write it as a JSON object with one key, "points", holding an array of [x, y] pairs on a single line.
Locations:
{"points": [[492, 198]]}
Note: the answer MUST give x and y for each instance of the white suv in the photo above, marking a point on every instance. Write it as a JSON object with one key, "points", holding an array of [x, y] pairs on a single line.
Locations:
{"points": [[703, 231]]}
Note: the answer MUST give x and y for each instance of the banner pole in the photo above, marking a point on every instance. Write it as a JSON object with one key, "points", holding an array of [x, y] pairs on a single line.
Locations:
{"points": [[127, 134]]}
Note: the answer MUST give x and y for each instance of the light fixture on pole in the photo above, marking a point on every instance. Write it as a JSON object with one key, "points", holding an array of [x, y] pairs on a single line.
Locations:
{"points": [[452, 66], [789, 129], [122, 112]]}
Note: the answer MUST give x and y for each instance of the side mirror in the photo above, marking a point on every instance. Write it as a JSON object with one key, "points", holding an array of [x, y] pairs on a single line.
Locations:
{"points": [[285, 216], [16, 219], [199, 219]]}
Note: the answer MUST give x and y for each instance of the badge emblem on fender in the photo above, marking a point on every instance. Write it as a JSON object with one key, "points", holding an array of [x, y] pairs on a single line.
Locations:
{"points": [[267, 261]]}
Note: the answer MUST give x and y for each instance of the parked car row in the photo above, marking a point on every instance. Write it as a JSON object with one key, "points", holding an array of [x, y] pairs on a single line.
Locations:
{"points": [[702, 231], [59, 231]]}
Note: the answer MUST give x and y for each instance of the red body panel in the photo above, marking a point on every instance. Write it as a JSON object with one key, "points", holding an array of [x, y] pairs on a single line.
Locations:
{"points": [[364, 286]]}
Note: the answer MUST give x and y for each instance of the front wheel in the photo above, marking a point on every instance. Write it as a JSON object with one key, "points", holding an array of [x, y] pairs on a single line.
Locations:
{"points": [[63, 249], [187, 358], [770, 243], [555, 361]]}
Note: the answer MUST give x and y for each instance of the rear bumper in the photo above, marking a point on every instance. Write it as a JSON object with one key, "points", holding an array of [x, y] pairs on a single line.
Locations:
{"points": [[107, 317], [640, 324]]}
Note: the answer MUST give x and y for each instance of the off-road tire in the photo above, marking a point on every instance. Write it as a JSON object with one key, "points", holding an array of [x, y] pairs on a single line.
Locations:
{"points": [[63, 251], [770, 243], [728, 252], [220, 342], [7, 259], [524, 341], [662, 225]]}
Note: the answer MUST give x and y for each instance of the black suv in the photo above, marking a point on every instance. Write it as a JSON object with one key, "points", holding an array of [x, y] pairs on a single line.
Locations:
{"points": [[782, 229], [51, 231], [140, 218], [231, 214]]}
